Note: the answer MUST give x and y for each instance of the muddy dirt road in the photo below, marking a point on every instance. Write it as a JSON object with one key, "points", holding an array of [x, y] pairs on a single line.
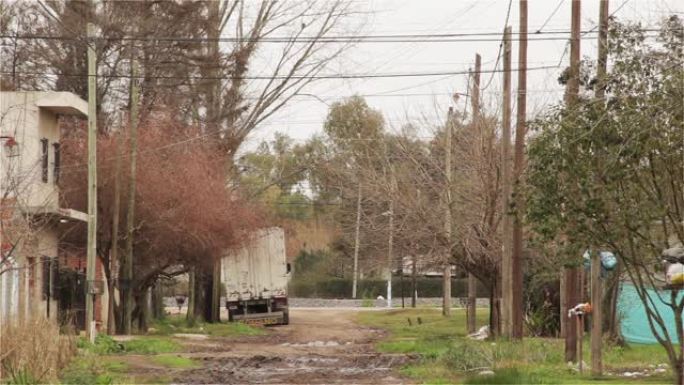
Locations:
{"points": [[320, 346]]}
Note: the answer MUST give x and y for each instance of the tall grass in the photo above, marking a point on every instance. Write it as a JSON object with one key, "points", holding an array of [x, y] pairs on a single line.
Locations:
{"points": [[34, 351]]}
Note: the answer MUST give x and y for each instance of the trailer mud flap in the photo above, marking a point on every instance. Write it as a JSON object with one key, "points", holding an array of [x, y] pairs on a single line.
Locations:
{"points": [[273, 318]]}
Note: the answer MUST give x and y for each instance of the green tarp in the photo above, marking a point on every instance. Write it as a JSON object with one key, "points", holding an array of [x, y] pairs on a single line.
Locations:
{"points": [[633, 321]]}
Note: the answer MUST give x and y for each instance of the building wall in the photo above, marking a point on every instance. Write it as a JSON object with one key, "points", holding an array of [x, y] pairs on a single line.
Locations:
{"points": [[28, 124], [25, 289]]}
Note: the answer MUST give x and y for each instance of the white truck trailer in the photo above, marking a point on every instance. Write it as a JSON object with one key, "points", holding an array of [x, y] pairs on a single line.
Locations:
{"points": [[255, 277]]}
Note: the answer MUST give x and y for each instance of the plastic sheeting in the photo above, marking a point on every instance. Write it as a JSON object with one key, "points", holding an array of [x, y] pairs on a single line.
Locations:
{"points": [[633, 320]]}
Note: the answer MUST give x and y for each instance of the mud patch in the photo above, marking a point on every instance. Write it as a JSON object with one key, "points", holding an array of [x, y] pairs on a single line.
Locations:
{"points": [[304, 369]]}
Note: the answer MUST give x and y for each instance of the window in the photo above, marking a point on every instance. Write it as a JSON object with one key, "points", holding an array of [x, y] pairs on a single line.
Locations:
{"points": [[55, 171], [44, 159]]}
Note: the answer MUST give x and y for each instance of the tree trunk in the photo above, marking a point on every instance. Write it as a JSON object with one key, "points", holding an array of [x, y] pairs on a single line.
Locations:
{"points": [[157, 302], [114, 250], [414, 286], [494, 315], [678, 369], [215, 302], [130, 217], [472, 303], [495, 309], [190, 312]]}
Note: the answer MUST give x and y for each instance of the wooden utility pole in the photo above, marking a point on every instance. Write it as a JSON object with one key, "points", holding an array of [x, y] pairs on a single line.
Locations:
{"points": [[573, 283], [92, 185], [477, 123], [602, 50], [518, 166], [596, 284], [114, 251], [446, 284], [596, 314], [130, 217], [572, 298], [507, 239], [357, 239]]}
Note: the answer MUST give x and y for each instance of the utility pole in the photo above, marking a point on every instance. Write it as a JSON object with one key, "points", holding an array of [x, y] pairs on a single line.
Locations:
{"points": [[446, 284], [130, 217], [92, 185], [477, 122], [518, 166], [506, 260], [357, 239], [573, 283], [596, 284]]}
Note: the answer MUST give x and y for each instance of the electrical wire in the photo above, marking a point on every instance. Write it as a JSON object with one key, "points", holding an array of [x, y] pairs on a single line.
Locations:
{"points": [[282, 77]]}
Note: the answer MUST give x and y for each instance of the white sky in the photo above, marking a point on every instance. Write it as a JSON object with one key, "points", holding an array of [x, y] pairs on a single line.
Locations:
{"points": [[305, 115]]}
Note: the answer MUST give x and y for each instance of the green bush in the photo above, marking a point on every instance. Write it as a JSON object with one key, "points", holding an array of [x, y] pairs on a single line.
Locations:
{"points": [[104, 344]]}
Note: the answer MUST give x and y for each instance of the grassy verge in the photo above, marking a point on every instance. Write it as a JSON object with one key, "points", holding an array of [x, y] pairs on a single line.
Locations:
{"points": [[106, 361], [178, 324], [175, 362], [448, 357]]}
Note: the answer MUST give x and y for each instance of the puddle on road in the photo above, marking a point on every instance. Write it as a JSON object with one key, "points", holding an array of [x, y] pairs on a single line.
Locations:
{"points": [[304, 369]]}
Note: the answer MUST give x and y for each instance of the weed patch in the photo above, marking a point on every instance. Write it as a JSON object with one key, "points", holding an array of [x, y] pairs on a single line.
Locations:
{"points": [[151, 345], [172, 325], [34, 351]]}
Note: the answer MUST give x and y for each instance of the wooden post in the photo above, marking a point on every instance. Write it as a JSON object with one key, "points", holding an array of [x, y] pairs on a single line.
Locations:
{"points": [[571, 326], [92, 186], [357, 239], [506, 260], [563, 304], [130, 217], [580, 337], [518, 166], [446, 275], [596, 284], [596, 315], [573, 283]]}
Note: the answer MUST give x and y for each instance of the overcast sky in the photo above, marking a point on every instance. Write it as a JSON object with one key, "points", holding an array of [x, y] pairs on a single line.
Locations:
{"points": [[402, 99]]}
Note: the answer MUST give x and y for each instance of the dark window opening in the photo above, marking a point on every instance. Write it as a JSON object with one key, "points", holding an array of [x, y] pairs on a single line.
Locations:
{"points": [[44, 160], [57, 165]]}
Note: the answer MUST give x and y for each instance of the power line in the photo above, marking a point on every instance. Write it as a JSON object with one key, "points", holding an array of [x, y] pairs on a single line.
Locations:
{"points": [[539, 31], [435, 38], [498, 54], [274, 77]]}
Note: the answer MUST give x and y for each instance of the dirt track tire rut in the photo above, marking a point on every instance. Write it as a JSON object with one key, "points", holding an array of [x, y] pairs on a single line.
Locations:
{"points": [[322, 346]]}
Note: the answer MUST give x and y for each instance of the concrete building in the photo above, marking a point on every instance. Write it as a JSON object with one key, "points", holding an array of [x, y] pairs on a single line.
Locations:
{"points": [[29, 200]]}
